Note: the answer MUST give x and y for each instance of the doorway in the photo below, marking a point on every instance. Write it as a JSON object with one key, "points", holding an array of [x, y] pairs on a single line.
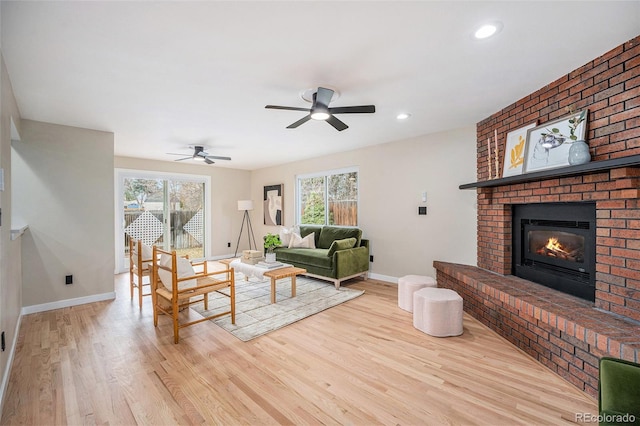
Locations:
{"points": [[166, 210]]}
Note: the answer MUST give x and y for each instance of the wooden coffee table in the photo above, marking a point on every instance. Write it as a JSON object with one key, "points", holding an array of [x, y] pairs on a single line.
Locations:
{"points": [[281, 273], [275, 275]]}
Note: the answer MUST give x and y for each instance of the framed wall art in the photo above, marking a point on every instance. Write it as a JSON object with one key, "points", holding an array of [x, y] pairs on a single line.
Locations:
{"points": [[547, 145], [515, 150], [273, 205]]}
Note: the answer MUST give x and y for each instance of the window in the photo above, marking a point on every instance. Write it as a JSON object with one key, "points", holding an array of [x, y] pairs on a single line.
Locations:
{"points": [[167, 210], [328, 198]]}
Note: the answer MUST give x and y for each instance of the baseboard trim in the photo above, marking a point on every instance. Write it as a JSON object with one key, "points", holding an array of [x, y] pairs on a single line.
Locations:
{"points": [[7, 371], [386, 278], [33, 309]]}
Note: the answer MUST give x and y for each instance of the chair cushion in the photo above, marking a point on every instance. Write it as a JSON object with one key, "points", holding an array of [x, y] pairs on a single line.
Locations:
{"points": [[185, 269], [344, 244]]}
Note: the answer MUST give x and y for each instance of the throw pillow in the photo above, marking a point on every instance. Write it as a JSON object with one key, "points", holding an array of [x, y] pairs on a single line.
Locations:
{"points": [[285, 234], [299, 242], [185, 269], [344, 244], [147, 254]]}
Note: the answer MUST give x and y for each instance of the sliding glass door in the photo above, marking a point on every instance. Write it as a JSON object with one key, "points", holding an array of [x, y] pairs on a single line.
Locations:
{"points": [[168, 211]]}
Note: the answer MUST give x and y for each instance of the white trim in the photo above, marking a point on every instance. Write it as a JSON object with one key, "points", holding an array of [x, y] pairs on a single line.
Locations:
{"points": [[119, 176], [33, 309], [329, 172], [393, 280], [325, 174], [7, 371]]}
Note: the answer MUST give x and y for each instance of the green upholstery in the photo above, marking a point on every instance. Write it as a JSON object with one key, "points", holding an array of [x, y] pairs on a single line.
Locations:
{"points": [[331, 233], [339, 253], [347, 243], [619, 392]]}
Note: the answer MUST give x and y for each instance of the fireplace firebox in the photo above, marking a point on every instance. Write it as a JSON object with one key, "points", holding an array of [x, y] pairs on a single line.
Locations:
{"points": [[554, 245]]}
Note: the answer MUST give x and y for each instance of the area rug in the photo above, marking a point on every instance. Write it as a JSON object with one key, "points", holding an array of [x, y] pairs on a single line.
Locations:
{"points": [[255, 315]]}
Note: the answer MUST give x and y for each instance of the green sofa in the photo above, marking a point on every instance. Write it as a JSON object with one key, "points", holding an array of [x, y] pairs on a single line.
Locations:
{"points": [[331, 259]]}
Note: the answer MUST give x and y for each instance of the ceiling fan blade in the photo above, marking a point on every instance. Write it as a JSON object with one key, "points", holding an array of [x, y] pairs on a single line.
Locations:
{"points": [[339, 125], [185, 158], [287, 108], [208, 161], [299, 122], [323, 97], [215, 157], [361, 109]]}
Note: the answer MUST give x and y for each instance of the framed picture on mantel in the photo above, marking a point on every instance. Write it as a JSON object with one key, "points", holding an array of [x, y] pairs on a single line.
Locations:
{"points": [[548, 144], [515, 149]]}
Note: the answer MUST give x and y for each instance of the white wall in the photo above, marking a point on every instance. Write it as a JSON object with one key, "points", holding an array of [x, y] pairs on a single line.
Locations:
{"points": [[63, 190], [227, 187], [392, 179], [10, 250]]}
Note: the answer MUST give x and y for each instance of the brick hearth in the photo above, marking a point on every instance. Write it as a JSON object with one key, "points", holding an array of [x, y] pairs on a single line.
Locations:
{"points": [[566, 334]]}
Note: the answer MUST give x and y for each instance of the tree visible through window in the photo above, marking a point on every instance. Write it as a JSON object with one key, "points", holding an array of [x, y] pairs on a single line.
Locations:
{"points": [[330, 198]]}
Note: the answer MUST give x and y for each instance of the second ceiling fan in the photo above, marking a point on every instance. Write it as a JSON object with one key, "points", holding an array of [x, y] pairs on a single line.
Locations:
{"points": [[320, 110]]}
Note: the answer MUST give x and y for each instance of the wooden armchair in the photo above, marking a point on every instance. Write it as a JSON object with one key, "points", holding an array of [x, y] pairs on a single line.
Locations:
{"points": [[174, 283], [140, 266]]}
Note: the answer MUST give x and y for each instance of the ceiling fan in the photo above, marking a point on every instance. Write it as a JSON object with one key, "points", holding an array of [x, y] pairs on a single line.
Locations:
{"points": [[320, 110], [201, 155]]}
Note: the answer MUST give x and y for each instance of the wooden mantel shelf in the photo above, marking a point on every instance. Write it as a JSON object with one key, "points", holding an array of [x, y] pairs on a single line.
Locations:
{"points": [[593, 167]]}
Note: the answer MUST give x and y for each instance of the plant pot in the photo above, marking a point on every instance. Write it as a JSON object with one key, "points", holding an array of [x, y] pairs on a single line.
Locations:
{"points": [[579, 153], [270, 257]]}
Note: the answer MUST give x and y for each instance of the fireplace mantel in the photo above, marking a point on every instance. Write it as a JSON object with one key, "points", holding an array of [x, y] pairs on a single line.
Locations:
{"points": [[593, 167]]}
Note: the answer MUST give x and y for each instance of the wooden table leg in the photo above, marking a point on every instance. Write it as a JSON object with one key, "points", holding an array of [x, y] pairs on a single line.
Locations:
{"points": [[293, 286], [273, 290]]}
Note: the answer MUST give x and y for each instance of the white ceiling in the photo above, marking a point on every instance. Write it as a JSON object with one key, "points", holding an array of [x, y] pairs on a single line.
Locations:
{"points": [[166, 75]]}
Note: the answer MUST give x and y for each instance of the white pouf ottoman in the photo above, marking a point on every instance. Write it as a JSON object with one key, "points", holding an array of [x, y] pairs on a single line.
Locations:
{"points": [[408, 285], [437, 312]]}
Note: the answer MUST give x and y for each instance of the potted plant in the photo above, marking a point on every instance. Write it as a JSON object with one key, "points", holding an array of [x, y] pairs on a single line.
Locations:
{"points": [[271, 241]]}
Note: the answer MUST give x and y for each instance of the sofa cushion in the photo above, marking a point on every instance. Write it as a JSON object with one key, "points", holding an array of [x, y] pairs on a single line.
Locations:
{"points": [[285, 234], [307, 229], [302, 257], [344, 244], [331, 233], [307, 242]]}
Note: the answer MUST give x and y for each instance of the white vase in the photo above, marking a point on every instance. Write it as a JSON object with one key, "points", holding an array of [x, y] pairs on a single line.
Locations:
{"points": [[270, 257], [579, 153]]}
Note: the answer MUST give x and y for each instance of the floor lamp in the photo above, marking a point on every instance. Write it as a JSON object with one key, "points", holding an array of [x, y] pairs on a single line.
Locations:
{"points": [[246, 205]]}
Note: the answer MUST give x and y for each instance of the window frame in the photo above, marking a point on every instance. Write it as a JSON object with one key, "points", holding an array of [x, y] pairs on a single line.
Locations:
{"points": [[326, 174]]}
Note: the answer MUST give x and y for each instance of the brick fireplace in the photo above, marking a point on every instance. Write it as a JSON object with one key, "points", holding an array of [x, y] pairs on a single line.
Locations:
{"points": [[565, 333]]}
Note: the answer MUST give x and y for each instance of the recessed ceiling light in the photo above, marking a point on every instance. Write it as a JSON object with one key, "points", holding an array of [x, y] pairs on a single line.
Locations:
{"points": [[487, 30], [403, 116]]}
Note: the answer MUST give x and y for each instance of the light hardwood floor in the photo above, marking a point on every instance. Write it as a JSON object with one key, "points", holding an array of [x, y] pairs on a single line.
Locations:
{"points": [[359, 363]]}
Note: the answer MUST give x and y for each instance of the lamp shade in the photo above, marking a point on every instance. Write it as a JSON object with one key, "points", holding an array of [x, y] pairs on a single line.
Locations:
{"points": [[245, 204]]}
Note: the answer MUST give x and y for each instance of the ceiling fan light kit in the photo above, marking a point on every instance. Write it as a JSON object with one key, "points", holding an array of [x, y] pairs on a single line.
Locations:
{"points": [[320, 109]]}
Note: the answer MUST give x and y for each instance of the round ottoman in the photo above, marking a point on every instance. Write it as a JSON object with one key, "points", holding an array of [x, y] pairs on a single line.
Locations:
{"points": [[437, 312], [408, 285]]}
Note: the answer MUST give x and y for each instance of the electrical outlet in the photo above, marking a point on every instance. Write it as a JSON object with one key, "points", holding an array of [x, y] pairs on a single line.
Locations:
{"points": [[371, 258], [422, 210], [68, 279], [2, 343], [228, 244]]}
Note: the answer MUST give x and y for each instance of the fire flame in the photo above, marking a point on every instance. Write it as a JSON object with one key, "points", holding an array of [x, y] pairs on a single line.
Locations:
{"points": [[554, 245]]}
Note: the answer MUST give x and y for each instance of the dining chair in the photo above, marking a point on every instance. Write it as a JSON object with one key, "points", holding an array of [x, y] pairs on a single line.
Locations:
{"points": [[175, 285]]}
